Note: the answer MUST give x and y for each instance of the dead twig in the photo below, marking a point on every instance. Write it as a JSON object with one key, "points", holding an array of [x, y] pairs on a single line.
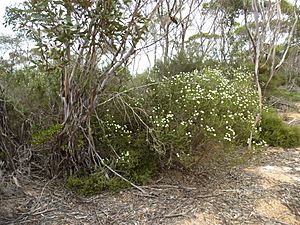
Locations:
{"points": [[151, 195], [176, 215], [166, 186]]}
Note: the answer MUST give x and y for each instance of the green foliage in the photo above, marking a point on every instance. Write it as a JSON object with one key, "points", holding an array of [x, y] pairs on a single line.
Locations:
{"points": [[134, 166], [190, 111], [291, 96], [33, 91], [181, 63], [276, 81], [98, 182], [42, 136], [287, 7], [231, 7], [52, 24], [127, 150], [95, 183], [140, 167], [122, 143], [277, 133], [120, 81], [3, 155]]}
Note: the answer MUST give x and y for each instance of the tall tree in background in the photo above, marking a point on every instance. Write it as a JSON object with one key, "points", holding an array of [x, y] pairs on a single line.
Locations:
{"points": [[265, 36]]}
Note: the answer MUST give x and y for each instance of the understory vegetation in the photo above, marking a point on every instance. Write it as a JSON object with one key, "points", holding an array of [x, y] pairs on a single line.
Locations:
{"points": [[73, 108], [180, 120], [277, 133], [175, 121]]}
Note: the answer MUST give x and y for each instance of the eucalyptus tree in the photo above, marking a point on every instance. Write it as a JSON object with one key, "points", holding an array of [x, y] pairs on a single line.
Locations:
{"points": [[264, 21], [172, 26], [87, 42]]}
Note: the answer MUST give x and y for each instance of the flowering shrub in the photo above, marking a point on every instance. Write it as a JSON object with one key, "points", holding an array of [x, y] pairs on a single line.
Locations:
{"points": [[192, 109], [123, 147], [178, 119], [184, 117]]}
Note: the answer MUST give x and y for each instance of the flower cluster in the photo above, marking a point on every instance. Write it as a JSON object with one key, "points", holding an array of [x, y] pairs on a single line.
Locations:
{"points": [[124, 157], [220, 106], [114, 129]]}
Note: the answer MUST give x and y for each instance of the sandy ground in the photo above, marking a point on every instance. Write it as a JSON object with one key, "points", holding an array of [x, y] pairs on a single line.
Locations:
{"points": [[274, 199]]}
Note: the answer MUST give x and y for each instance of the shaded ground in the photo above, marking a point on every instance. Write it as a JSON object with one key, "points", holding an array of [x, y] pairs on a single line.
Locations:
{"points": [[267, 192]]}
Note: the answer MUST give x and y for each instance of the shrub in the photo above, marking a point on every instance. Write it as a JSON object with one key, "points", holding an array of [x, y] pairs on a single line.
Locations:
{"points": [[181, 63], [185, 117], [94, 184], [277, 133], [138, 168], [97, 182], [121, 142], [291, 96], [197, 110], [277, 80]]}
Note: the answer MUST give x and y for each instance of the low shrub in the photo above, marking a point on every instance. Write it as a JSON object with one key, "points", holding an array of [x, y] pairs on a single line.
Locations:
{"points": [[138, 168], [173, 121], [198, 112], [291, 96], [277, 133], [122, 144], [95, 183], [181, 63]]}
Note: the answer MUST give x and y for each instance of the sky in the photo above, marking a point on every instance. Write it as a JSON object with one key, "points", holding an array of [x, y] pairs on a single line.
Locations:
{"points": [[3, 5]]}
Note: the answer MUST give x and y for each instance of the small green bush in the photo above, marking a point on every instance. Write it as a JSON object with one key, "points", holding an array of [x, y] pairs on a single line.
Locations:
{"points": [[181, 63], [95, 183], [277, 133], [122, 145], [138, 168], [277, 81]]}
